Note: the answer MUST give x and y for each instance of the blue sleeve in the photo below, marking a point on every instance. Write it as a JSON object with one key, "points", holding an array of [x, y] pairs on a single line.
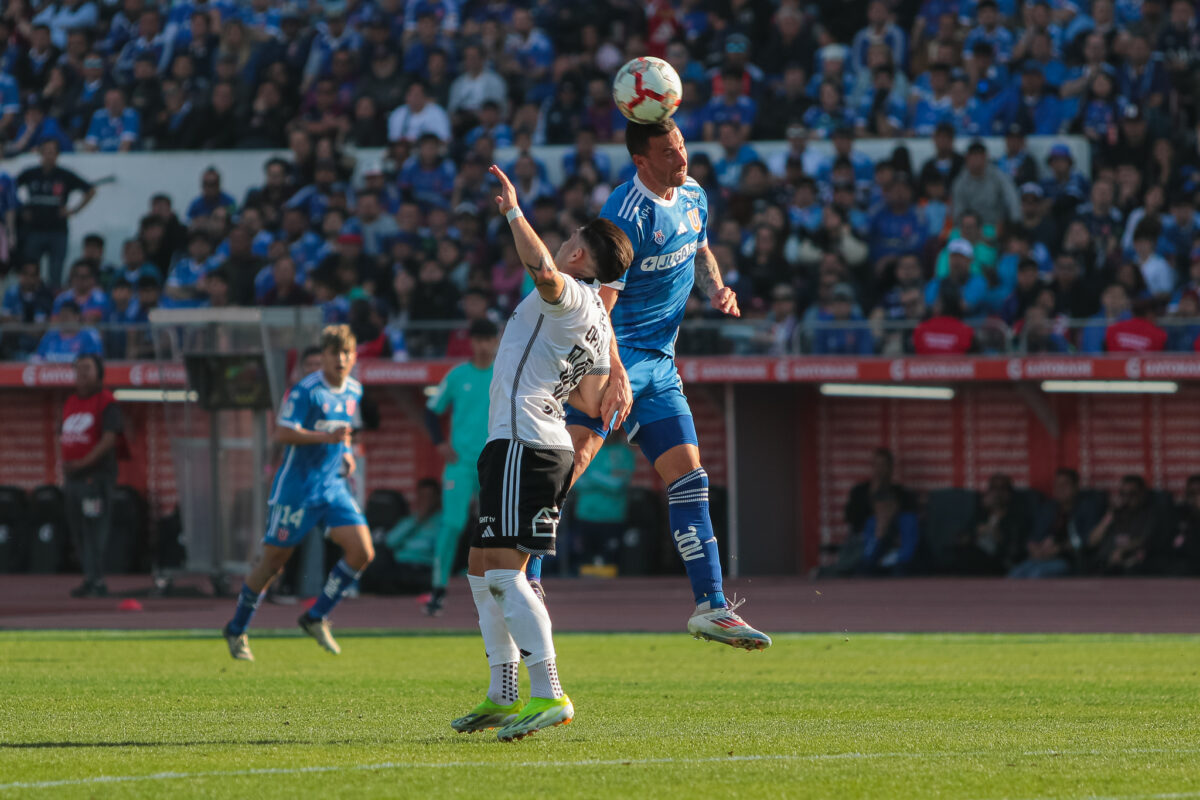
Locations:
{"points": [[296, 407], [10, 99], [703, 240], [12, 302], [870, 543], [46, 345]]}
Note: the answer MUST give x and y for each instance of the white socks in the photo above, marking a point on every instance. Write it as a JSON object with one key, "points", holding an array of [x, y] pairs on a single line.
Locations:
{"points": [[529, 625], [502, 653]]}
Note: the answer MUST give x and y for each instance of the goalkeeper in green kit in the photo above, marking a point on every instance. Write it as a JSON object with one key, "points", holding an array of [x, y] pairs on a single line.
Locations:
{"points": [[464, 393]]}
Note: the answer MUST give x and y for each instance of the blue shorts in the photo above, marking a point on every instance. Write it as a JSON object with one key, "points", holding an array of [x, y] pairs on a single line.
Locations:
{"points": [[287, 525], [657, 395]]}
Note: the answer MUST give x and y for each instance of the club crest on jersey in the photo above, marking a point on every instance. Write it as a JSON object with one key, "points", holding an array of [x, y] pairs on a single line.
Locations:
{"points": [[350, 404], [693, 216], [659, 237], [325, 407]]}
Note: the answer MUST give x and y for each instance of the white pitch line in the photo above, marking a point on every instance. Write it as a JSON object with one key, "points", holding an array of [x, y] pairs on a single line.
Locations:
{"points": [[616, 762]]}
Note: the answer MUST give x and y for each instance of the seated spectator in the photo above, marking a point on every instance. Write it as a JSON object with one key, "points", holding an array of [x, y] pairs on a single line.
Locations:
{"points": [[596, 524], [1117, 545], [971, 289], [429, 177], [1056, 547], [419, 115], [1039, 335], [998, 540], [984, 189], [859, 503], [404, 562], [210, 198], [1184, 335], [68, 339], [476, 306], [84, 291], [1138, 334], [284, 290], [830, 112], [490, 126], [890, 538], [185, 285], [1160, 276], [730, 105], [27, 301], [1114, 307], [734, 155], [215, 124], [1027, 288], [114, 128], [1179, 553], [839, 340], [944, 333], [36, 129]]}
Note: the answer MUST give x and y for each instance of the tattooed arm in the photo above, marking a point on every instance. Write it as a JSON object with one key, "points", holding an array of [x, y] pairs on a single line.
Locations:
{"points": [[530, 248], [708, 280]]}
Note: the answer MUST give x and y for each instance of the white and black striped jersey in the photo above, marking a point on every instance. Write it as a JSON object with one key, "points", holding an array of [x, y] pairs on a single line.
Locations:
{"points": [[546, 350]]}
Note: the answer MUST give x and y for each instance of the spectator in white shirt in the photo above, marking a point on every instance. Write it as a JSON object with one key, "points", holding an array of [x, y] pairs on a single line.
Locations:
{"points": [[417, 116], [476, 84]]}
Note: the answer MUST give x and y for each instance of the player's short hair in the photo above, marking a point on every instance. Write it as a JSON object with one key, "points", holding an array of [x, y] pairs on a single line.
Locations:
{"points": [[609, 248], [338, 337], [638, 136], [309, 352]]}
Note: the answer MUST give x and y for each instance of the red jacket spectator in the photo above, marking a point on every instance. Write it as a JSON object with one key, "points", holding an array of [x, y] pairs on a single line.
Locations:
{"points": [[1136, 335], [943, 336]]}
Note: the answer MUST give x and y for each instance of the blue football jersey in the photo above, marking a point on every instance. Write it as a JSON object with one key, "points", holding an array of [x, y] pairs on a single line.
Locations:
{"points": [[665, 236], [311, 473]]}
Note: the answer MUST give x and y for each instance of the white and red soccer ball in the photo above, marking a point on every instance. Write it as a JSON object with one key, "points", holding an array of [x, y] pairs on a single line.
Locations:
{"points": [[647, 90]]}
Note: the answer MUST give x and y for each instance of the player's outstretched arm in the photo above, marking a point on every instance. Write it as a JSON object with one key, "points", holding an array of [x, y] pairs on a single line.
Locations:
{"points": [[708, 278], [530, 248]]}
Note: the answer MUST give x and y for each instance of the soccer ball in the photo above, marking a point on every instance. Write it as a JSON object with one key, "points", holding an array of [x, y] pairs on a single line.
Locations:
{"points": [[647, 90]]}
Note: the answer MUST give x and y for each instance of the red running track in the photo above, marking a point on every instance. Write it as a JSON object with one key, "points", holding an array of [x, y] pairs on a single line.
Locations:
{"points": [[777, 605]]}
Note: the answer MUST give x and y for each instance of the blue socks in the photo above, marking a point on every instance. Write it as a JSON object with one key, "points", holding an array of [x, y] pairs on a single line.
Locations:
{"points": [[247, 604], [691, 528], [533, 570], [341, 578]]}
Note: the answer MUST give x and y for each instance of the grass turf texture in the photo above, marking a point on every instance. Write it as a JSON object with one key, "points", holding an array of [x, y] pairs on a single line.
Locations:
{"points": [[921, 716]]}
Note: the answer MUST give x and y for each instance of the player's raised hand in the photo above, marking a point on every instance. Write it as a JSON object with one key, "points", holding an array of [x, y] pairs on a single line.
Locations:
{"points": [[725, 301], [507, 199]]}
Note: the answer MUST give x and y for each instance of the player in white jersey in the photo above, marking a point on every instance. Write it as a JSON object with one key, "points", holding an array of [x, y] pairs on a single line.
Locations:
{"points": [[555, 350]]}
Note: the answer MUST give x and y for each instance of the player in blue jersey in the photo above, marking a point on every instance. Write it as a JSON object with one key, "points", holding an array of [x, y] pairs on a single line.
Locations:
{"points": [[665, 215], [310, 490]]}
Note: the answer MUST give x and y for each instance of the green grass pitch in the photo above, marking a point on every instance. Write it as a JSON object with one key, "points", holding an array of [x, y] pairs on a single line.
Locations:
{"points": [[826, 716]]}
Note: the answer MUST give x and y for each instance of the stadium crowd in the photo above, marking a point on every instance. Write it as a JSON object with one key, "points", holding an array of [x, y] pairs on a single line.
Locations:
{"points": [[829, 255]]}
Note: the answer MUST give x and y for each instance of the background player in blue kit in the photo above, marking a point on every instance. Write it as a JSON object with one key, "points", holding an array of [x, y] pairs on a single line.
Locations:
{"points": [[665, 215], [310, 490]]}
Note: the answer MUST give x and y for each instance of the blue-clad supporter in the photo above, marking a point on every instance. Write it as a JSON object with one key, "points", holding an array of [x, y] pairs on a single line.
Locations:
{"points": [[990, 31], [1114, 307], [211, 197], [1017, 162], [933, 105], [533, 53], [896, 229], [836, 334], [186, 283], [735, 154], [28, 300], [731, 105], [68, 339], [879, 29], [332, 34], [428, 177], [883, 109], [1027, 103], [114, 128], [316, 198], [585, 152], [84, 291], [1142, 78], [891, 538], [38, 128], [490, 125], [830, 112], [149, 40]]}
